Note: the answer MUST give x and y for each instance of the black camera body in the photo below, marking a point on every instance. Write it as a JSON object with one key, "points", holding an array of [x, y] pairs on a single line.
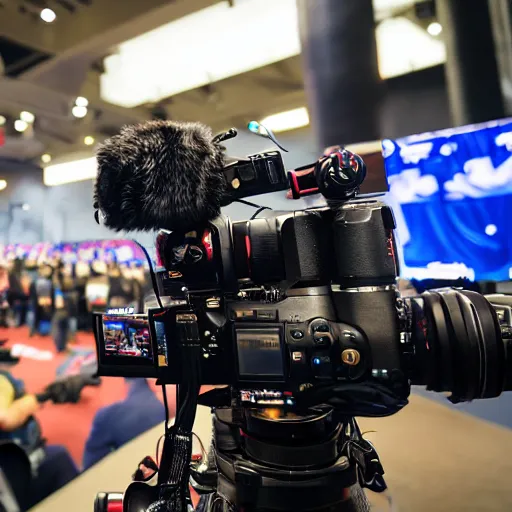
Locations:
{"points": [[281, 303]]}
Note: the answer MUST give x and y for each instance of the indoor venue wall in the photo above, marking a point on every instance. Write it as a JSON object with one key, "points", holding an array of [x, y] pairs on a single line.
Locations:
{"points": [[24, 186], [415, 103]]}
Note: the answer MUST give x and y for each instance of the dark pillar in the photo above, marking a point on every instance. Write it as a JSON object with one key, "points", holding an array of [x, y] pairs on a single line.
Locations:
{"points": [[471, 69], [501, 21], [340, 68]]}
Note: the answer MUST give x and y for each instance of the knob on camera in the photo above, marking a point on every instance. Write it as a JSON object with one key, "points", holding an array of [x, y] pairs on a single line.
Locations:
{"points": [[337, 176], [340, 174]]}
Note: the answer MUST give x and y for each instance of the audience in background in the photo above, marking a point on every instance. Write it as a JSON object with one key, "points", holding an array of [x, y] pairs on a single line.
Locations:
{"points": [[59, 297]]}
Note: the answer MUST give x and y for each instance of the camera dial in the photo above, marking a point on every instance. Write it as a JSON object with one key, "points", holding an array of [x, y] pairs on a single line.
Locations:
{"points": [[340, 174]]}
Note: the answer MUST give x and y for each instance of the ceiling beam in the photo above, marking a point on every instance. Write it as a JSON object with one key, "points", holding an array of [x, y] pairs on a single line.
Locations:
{"points": [[98, 28]]}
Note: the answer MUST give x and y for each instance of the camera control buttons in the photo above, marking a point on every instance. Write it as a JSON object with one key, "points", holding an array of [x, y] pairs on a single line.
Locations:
{"points": [[297, 334], [318, 360], [322, 339], [298, 357], [320, 325]]}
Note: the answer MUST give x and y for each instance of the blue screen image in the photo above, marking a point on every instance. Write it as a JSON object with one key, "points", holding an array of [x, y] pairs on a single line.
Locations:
{"points": [[451, 192]]}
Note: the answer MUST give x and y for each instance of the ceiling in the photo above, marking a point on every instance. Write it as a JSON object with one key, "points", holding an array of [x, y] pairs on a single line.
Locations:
{"points": [[46, 66]]}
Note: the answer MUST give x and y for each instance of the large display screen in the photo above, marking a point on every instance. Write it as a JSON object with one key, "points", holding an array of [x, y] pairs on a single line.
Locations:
{"points": [[451, 191], [127, 336]]}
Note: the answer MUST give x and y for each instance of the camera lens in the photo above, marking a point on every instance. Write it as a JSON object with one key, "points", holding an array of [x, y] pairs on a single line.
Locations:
{"points": [[458, 345]]}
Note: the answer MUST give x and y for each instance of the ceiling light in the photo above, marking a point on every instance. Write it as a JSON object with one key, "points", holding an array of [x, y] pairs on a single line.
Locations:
{"points": [[435, 28], [25, 207], [3, 120], [46, 158], [70, 172], [20, 125], [79, 112], [81, 101], [404, 47], [3, 184], [165, 74], [88, 141], [48, 15], [288, 120], [28, 117]]}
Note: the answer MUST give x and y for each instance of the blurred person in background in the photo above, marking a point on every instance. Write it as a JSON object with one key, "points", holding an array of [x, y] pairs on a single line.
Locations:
{"points": [[18, 293], [124, 290], [64, 321], [97, 287], [117, 424], [140, 273], [42, 300], [53, 464], [4, 288], [82, 273]]}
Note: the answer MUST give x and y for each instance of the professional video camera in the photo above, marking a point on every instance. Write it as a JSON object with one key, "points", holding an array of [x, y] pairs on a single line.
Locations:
{"points": [[297, 312]]}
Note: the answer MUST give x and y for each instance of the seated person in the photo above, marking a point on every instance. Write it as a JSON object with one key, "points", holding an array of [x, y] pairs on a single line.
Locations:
{"points": [[116, 424], [54, 468]]}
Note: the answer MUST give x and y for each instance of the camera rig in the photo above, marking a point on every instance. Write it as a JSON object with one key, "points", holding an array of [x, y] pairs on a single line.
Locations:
{"points": [[299, 315]]}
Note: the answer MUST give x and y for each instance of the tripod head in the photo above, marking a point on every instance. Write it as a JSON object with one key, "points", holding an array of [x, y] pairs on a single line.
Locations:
{"points": [[268, 459]]}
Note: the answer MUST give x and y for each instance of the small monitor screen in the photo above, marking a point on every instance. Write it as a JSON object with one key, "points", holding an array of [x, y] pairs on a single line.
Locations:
{"points": [[127, 336], [259, 353]]}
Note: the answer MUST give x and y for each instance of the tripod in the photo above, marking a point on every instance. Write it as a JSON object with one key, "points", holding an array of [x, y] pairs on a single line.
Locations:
{"points": [[266, 461]]}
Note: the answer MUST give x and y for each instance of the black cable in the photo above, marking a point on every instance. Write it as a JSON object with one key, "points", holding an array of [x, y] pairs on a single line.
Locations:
{"points": [[166, 407], [151, 273], [259, 210], [248, 203]]}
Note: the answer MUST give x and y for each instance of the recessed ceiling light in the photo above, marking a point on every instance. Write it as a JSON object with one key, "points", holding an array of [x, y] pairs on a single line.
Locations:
{"points": [[3, 184], [435, 28], [48, 15], [81, 101], [70, 172], [20, 125], [289, 120], [25, 207], [3, 120], [46, 158], [89, 140], [28, 117], [79, 112]]}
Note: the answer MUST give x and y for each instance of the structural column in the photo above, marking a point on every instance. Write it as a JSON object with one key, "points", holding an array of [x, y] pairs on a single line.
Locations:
{"points": [[471, 67], [340, 69]]}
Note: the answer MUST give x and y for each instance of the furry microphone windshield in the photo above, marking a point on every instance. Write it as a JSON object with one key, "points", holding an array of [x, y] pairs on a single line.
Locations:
{"points": [[160, 174]]}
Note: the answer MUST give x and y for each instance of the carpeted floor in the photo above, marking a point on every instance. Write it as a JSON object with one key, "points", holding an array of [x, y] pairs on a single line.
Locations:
{"points": [[67, 424]]}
